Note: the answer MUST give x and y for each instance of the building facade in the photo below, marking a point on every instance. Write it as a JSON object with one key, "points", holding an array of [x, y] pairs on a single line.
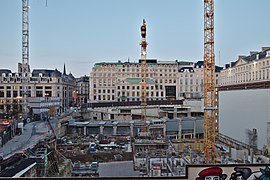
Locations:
{"points": [[44, 106], [248, 69], [82, 90], [121, 81], [41, 83], [191, 77], [166, 80]]}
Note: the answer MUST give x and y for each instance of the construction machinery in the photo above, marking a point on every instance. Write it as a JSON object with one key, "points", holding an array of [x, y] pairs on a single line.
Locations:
{"points": [[25, 53], [210, 97], [143, 75]]}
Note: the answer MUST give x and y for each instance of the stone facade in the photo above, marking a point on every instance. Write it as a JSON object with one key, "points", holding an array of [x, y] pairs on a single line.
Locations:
{"points": [[166, 80], [41, 83], [121, 81], [248, 69], [82, 91]]}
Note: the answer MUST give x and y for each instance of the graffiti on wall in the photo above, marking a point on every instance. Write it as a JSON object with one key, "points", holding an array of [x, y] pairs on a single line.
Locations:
{"points": [[239, 173]]}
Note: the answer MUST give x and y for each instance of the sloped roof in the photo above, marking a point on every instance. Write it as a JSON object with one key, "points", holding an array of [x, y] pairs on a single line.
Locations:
{"points": [[49, 73], [44, 72], [6, 71]]}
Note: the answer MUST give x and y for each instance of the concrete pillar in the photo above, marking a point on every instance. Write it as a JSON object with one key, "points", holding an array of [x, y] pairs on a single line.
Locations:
{"points": [[194, 132], [164, 129], [101, 128], [268, 137], [84, 130], [180, 129], [114, 129], [131, 129]]}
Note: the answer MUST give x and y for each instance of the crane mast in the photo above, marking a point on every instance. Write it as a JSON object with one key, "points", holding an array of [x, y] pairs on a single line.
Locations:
{"points": [[143, 75], [210, 103], [25, 52]]}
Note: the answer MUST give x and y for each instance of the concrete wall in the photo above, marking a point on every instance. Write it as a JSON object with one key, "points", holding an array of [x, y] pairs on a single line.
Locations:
{"points": [[244, 109], [268, 136], [239, 154]]}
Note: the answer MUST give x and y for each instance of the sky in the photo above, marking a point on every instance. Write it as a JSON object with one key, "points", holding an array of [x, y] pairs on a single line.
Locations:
{"points": [[79, 33]]}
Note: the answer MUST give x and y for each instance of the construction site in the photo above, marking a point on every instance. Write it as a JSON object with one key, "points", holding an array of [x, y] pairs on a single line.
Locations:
{"points": [[172, 137]]}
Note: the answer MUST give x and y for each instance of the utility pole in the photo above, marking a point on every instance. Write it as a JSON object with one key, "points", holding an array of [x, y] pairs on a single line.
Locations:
{"points": [[25, 53], [210, 101]]}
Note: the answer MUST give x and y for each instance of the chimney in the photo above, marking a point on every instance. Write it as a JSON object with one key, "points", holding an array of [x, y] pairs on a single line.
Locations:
{"points": [[227, 66], [253, 52], [19, 68], [265, 48], [241, 57]]}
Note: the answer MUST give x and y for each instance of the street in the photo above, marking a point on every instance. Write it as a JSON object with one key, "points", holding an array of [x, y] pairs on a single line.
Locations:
{"points": [[32, 133]]}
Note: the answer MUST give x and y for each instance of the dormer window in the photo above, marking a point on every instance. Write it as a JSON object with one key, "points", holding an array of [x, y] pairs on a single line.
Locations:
{"points": [[268, 53]]}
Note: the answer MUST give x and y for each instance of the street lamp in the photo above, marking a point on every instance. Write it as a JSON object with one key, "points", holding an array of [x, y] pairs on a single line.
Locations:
{"points": [[75, 98], [18, 99]]}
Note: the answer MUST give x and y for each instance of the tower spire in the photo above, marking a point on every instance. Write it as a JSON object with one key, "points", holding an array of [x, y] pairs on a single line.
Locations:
{"points": [[64, 71]]}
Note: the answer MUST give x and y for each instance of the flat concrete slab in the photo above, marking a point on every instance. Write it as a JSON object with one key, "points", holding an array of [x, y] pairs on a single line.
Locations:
{"points": [[117, 169]]}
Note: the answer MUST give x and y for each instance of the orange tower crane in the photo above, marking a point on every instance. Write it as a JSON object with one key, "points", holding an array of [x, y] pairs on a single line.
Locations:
{"points": [[210, 101], [143, 75]]}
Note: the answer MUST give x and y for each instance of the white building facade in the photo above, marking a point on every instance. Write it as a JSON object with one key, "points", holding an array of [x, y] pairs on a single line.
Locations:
{"points": [[121, 81], [248, 69], [167, 80], [191, 77]]}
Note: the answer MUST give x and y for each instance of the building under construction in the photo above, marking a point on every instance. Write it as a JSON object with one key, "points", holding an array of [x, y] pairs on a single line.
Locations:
{"points": [[39, 161]]}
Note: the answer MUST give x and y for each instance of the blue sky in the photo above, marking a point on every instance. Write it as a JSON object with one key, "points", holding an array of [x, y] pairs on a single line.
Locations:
{"points": [[80, 33]]}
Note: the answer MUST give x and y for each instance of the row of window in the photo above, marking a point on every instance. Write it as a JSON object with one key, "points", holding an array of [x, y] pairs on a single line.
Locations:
{"points": [[134, 75], [14, 94], [246, 77], [29, 87], [190, 81], [138, 94], [111, 82], [104, 98], [19, 80], [191, 89], [254, 65], [111, 91], [148, 69], [124, 98], [137, 66], [249, 67]]}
